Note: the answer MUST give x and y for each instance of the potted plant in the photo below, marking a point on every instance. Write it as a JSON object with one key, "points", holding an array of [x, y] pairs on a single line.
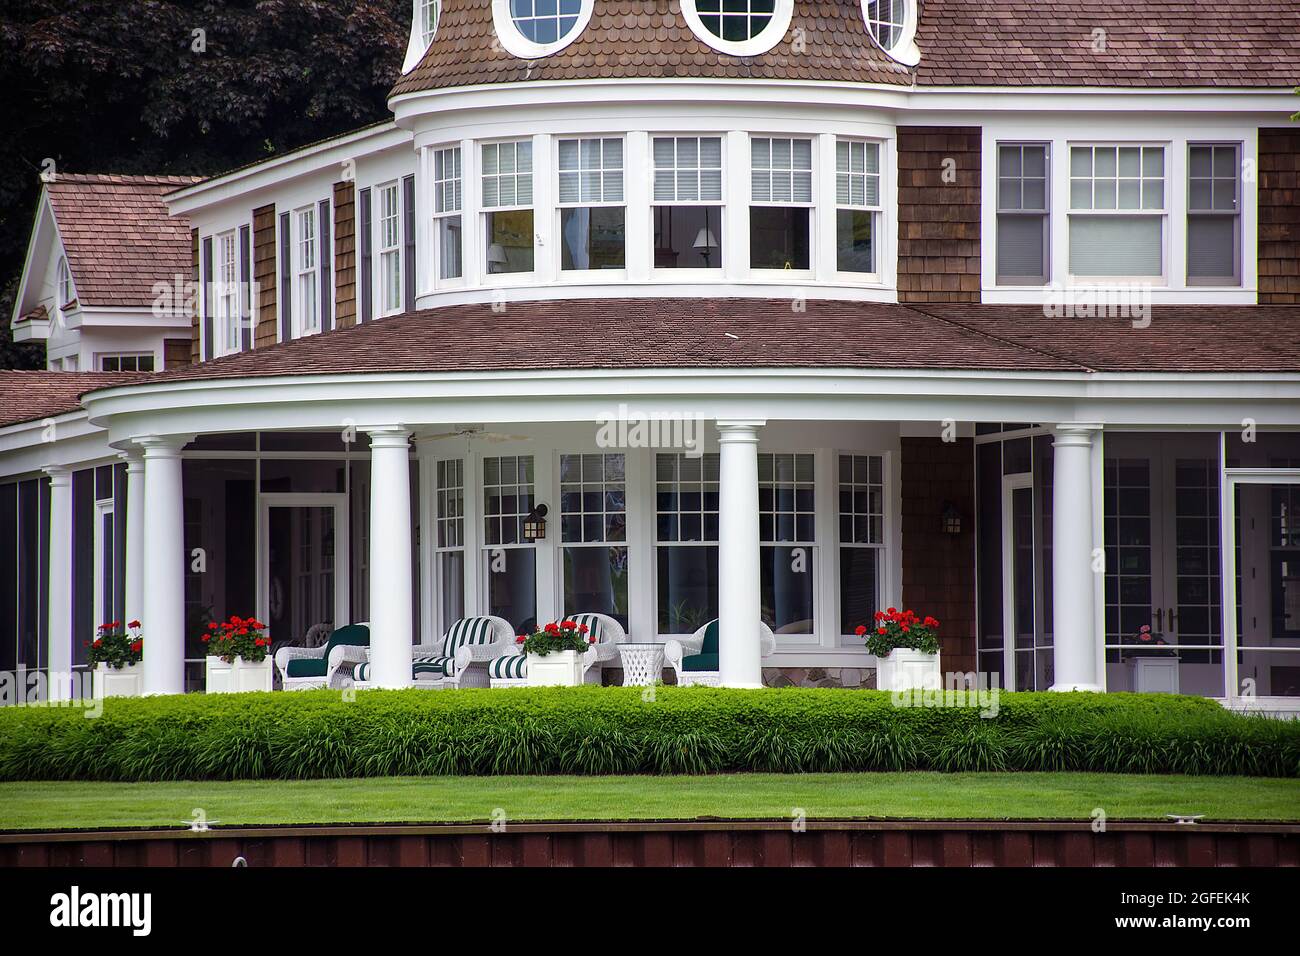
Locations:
{"points": [[906, 648], [116, 654], [239, 656], [555, 653], [1154, 662]]}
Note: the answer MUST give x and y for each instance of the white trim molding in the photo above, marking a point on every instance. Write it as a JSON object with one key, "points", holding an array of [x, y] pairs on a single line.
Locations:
{"points": [[762, 41], [513, 40]]}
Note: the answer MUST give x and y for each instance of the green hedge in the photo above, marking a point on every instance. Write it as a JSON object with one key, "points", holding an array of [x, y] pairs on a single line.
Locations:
{"points": [[594, 730]]}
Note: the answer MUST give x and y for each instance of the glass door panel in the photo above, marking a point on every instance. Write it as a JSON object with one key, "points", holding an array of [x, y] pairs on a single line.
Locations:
{"points": [[1268, 589]]}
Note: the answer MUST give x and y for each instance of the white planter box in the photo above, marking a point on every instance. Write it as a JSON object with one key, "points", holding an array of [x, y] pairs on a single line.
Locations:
{"points": [[1155, 675], [906, 668], [239, 676], [126, 681], [562, 668]]}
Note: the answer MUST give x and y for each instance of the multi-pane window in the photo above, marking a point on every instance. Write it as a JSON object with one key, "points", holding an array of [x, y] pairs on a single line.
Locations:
{"points": [[1117, 211], [429, 10], [735, 20], [447, 204], [65, 283], [1022, 214], [592, 220], [390, 249], [306, 313], [781, 197], [687, 202], [885, 21], [450, 541], [508, 201], [857, 205], [686, 541], [545, 21], [1213, 214], [593, 532], [225, 294], [510, 562], [787, 530], [862, 537], [127, 362]]}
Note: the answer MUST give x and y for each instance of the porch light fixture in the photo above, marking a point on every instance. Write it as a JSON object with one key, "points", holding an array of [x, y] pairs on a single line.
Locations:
{"points": [[706, 242], [535, 524], [951, 518]]}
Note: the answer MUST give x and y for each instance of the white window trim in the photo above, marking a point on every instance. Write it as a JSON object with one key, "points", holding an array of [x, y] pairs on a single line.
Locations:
{"points": [[1050, 197], [817, 563], [435, 217], [811, 205], [225, 295], [103, 602], [1238, 215], [827, 167], [381, 250], [418, 43], [884, 547], [539, 204], [905, 50], [517, 44], [725, 225], [559, 545], [65, 293], [1165, 213], [624, 204], [766, 38], [300, 328]]}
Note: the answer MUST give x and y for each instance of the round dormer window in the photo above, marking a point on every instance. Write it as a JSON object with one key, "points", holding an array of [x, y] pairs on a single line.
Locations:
{"points": [[537, 28], [739, 27], [892, 25]]}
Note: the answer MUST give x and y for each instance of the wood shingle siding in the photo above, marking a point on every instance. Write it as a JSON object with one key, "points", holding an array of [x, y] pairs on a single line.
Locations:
{"points": [[938, 214], [176, 353], [1279, 216], [345, 256], [264, 274]]}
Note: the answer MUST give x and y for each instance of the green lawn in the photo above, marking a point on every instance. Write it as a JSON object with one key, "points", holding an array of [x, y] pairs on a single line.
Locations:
{"points": [[43, 805]]}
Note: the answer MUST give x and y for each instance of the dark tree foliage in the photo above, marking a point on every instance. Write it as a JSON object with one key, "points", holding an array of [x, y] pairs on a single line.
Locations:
{"points": [[123, 86]]}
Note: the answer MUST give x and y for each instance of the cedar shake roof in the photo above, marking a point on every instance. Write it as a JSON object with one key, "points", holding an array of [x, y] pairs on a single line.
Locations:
{"points": [[769, 333], [1148, 43], [118, 236], [31, 396]]}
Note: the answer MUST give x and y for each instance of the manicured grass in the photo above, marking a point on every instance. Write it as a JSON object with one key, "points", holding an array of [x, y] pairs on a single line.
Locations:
{"points": [[1064, 796]]}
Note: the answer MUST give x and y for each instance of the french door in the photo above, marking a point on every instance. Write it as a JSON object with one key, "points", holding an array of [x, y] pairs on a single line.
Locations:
{"points": [[302, 584]]}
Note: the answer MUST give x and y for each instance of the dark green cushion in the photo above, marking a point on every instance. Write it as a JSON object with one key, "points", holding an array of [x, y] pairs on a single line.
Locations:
{"points": [[306, 667], [353, 635], [707, 658]]}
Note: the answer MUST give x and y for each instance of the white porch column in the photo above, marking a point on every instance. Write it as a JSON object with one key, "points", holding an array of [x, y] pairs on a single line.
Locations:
{"points": [[390, 557], [134, 536], [739, 651], [1073, 579], [163, 617], [58, 652]]}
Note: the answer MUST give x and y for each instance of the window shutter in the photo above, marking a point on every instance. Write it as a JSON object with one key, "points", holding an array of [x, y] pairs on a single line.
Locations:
{"points": [[286, 279], [408, 275], [367, 273], [207, 298], [245, 288], [325, 255]]}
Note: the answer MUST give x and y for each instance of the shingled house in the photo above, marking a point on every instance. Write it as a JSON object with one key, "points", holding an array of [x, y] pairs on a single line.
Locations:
{"points": [[990, 310]]}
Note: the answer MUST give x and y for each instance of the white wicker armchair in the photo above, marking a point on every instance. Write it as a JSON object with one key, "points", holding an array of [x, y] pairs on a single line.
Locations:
{"points": [[329, 665], [511, 668], [460, 657], [678, 654]]}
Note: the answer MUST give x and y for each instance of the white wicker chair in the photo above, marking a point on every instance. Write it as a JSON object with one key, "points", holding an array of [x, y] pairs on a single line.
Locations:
{"points": [[511, 668], [677, 654], [459, 658], [339, 659]]}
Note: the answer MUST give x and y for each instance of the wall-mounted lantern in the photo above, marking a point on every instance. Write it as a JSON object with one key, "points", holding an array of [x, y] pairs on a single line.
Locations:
{"points": [[951, 518], [535, 524]]}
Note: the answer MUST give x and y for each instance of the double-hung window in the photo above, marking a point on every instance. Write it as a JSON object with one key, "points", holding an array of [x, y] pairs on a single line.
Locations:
{"points": [[687, 202], [306, 310], [450, 543], [510, 562], [686, 541], [447, 205], [390, 248], [1213, 214], [857, 205], [781, 200], [861, 538], [1022, 243], [508, 206], [593, 534], [225, 294], [1117, 212], [592, 214], [787, 530]]}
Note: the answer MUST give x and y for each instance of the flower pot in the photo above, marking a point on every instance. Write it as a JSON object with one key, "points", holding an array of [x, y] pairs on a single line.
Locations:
{"points": [[125, 681], [907, 668], [562, 668], [239, 676]]}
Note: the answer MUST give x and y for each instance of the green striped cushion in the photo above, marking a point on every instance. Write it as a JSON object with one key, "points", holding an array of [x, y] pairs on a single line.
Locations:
{"points": [[467, 631], [428, 666], [594, 625], [510, 667]]}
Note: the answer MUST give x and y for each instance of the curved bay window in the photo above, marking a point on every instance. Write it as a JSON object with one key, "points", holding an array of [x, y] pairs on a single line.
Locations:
{"points": [[787, 530], [592, 215], [686, 536], [593, 532], [687, 202], [509, 562]]}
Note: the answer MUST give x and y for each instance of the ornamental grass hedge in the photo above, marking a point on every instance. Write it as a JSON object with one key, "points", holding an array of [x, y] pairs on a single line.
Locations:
{"points": [[595, 730]]}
